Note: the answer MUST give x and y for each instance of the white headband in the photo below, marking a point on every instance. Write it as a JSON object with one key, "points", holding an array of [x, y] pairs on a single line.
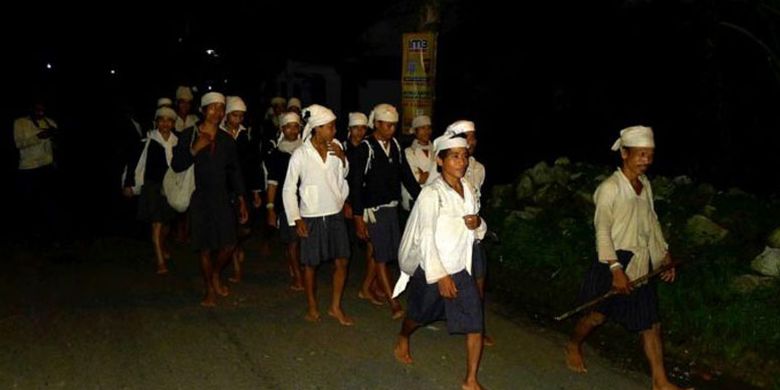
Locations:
{"points": [[234, 103], [635, 137], [316, 115], [420, 121], [294, 102], [211, 98], [289, 117], [165, 112], [383, 112], [460, 127], [184, 93], [164, 102], [447, 141], [357, 119]]}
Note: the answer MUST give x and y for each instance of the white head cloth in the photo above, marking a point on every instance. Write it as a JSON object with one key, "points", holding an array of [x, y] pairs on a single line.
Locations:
{"points": [[211, 98], [447, 141], [357, 119], [636, 137], [165, 112], [278, 100], [383, 112], [316, 115], [164, 101], [184, 93], [289, 117], [420, 121], [294, 102], [234, 103], [460, 127]]}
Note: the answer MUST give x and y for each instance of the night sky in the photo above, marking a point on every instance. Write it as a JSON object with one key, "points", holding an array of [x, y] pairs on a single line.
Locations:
{"points": [[546, 79]]}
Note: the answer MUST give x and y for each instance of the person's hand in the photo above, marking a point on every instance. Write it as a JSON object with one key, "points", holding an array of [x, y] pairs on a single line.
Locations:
{"points": [[257, 201], [243, 213], [301, 228], [127, 192], [335, 149], [270, 218], [44, 134], [620, 281], [347, 211], [669, 275], [472, 221], [361, 230], [423, 176], [203, 141], [447, 287]]}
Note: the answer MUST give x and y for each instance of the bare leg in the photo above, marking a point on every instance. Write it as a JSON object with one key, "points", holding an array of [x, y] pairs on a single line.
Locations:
{"points": [[384, 280], [294, 264], [224, 255], [312, 314], [365, 288], [573, 349], [473, 356], [210, 299], [486, 340], [164, 232], [158, 251], [238, 258], [651, 341], [339, 280], [401, 350]]}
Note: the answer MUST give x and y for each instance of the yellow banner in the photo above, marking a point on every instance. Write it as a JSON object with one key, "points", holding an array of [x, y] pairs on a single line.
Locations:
{"points": [[418, 76]]}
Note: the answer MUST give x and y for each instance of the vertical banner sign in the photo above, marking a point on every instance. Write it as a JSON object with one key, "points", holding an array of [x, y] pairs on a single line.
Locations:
{"points": [[418, 75]]}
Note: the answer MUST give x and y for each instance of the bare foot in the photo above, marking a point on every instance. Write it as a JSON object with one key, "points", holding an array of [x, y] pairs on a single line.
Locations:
{"points": [[162, 271], [221, 290], [473, 385], [488, 341], [341, 317], [209, 301], [398, 312], [574, 360], [312, 316], [296, 287], [370, 297], [401, 351], [235, 279]]}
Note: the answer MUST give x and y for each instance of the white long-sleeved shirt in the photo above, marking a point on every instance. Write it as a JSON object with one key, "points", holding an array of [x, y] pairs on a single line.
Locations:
{"points": [[436, 237], [627, 221], [185, 123], [418, 161], [34, 152], [323, 186]]}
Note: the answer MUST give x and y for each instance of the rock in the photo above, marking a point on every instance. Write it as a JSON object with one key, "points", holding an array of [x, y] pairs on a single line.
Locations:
{"points": [[562, 161], [682, 180], [774, 239], [702, 230], [745, 284], [529, 213], [663, 188], [524, 188], [501, 196], [767, 263]]}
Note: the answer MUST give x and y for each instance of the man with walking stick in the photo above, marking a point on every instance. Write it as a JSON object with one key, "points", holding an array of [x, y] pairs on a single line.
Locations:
{"points": [[630, 246]]}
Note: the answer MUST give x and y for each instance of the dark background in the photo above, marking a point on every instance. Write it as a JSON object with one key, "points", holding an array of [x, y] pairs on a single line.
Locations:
{"points": [[541, 79]]}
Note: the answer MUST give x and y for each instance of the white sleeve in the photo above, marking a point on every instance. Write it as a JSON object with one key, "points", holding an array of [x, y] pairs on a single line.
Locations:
{"points": [[428, 206], [289, 192], [603, 220]]}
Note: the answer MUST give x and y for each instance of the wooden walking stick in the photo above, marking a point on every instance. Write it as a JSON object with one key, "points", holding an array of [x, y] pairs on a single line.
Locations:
{"points": [[612, 292]]}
